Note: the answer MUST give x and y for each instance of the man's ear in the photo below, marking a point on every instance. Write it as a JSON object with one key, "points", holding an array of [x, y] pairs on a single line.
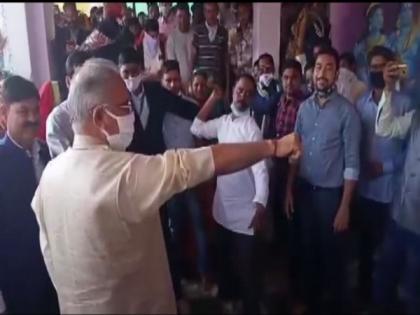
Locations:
{"points": [[68, 81], [3, 117], [98, 117]]}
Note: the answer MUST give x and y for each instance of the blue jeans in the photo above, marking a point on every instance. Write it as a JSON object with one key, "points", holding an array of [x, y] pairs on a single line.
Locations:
{"points": [[399, 261], [177, 214], [323, 253]]}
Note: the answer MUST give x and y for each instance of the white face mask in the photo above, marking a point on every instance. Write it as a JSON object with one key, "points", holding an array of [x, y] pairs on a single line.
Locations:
{"points": [[238, 112], [132, 83], [266, 78], [121, 140]]}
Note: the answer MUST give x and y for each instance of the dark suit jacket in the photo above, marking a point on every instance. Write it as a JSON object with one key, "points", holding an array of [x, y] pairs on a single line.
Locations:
{"points": [[24, 280], [160, 101]]}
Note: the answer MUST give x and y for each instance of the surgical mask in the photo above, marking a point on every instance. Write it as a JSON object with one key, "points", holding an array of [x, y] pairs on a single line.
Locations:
{"points": [[121, 140], [239, 112], [266, 78], [132, 83], [377, 79]]}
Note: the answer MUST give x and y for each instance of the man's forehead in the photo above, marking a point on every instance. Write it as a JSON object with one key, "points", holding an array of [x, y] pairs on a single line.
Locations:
{"points": [[325, 59]]}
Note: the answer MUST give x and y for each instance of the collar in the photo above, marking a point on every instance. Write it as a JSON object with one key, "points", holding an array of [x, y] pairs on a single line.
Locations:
{"points": [[333, 95], [35, 146], [84, 142], [211, 27]]}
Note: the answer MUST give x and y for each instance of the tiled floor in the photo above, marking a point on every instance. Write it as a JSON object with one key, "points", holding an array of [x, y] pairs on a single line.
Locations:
{"points": [[276, 298]]}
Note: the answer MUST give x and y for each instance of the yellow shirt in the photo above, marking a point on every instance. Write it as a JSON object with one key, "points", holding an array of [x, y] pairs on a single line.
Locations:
{"points": [[100, 230]]}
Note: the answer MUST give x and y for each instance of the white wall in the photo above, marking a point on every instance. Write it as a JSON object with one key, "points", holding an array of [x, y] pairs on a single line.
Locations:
{"points": [[266, 33], [28, 28], [17, 58]]}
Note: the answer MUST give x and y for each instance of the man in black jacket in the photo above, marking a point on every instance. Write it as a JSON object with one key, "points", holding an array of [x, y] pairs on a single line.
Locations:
{"points": [[151, 101]]}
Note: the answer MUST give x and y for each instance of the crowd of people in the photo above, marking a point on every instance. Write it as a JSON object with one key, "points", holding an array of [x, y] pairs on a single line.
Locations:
{"points": [[172, 153]]}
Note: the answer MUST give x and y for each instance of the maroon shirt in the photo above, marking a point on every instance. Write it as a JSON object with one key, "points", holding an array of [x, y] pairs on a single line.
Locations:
{"points": [[287, 109]]}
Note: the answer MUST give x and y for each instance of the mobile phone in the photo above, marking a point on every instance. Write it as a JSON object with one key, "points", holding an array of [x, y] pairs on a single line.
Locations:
{"points": [[403, 70]]}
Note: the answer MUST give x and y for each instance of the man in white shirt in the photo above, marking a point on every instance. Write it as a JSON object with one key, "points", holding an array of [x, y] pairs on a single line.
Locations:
{"points": [[240, 199], [179, 44], [97, 207], [399, 263]]}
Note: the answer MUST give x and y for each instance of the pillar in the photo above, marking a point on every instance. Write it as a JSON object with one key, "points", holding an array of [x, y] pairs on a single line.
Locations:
{"points": [[266, 32], [29, 28], [348, 23]]}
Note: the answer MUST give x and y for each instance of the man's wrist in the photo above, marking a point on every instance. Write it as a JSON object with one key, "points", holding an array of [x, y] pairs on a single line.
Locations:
{"points": [[273, 147]]}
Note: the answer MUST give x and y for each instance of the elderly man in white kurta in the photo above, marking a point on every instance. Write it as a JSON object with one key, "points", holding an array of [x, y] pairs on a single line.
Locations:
{"points": [[241, 198], [98, 206]]}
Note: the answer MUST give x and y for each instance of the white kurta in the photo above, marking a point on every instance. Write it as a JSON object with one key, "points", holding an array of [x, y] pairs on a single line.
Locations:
{"points": [[100, 230], [236, 194]]}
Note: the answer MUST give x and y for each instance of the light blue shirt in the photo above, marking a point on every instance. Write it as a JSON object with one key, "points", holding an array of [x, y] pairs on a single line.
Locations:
{"points": [[385, 150], [331, 139], [176, 131]]}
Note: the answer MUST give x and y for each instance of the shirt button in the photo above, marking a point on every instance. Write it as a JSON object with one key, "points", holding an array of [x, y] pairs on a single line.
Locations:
{"points": [[310, 153], [313, 138], [316, 124]]}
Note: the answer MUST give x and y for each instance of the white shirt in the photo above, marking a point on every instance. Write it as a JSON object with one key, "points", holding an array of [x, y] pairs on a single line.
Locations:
{"points": [[179, 46], [100, 230], [388, 125], [236, 194], [212, 31]]}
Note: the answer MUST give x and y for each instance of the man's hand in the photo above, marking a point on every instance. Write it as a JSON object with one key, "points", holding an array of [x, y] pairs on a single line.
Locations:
{"points": [[288, 146], [288, 205], [217, 93], [391, 75], [70, 47], [259, 219], [341, 221], [374, 169]]}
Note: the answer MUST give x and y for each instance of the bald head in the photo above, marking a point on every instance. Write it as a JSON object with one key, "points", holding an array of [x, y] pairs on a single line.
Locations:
{"points": [[97, 83]]}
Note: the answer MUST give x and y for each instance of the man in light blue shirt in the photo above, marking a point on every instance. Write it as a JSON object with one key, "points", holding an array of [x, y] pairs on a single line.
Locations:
{"points": [[328, 171], [381, 158], [58, 127], [177, 135]]}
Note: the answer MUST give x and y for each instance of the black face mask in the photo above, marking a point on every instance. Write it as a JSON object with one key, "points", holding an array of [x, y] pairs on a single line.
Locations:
{"points": [[324, 93], [377, 79]]}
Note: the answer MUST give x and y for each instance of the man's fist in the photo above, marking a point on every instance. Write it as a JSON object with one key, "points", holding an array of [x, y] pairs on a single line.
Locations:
{"points": [[288, 146]]}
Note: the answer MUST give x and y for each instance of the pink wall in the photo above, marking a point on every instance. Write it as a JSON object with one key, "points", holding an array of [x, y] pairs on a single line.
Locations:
{"points": [[349, 22]]}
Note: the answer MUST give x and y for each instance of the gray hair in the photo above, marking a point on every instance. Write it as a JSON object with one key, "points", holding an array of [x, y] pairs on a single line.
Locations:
{"points": [[88, 88]]}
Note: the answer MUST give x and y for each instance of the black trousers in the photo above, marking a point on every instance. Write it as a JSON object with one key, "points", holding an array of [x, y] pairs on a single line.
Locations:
{"points": [[371, 219], [237, 272], [322, 252]]}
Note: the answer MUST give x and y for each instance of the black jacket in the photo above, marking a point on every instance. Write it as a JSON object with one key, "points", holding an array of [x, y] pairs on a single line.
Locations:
{"points": [[160, 101]]}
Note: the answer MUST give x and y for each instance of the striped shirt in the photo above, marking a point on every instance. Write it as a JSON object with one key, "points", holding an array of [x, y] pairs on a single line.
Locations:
{"points": [[211, 56]]}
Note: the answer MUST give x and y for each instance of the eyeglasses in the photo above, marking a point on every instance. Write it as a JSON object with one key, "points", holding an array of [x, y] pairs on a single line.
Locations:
{"points": [[124, 108]]}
